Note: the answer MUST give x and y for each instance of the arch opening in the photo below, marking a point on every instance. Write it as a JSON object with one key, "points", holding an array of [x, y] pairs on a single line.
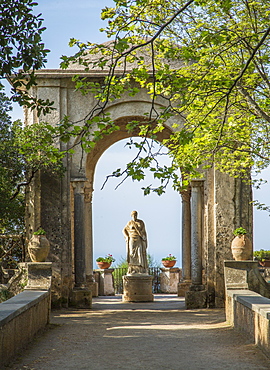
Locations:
{"points": [[112, 208]]}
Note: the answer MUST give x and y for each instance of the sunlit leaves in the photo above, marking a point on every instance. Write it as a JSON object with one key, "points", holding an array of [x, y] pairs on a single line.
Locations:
{"points": [[21, 50], [208, 65]]}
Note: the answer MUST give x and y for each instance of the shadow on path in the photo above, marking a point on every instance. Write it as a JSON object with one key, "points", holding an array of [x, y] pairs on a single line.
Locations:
{"points": [[151, 335]]}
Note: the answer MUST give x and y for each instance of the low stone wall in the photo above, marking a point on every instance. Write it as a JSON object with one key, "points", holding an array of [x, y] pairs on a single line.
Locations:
{"points": [[250, 312], [21, 317]]}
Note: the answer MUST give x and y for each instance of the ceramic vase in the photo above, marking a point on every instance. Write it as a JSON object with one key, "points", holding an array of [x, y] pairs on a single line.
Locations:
{"points": [[38, 248], [241, 248]]}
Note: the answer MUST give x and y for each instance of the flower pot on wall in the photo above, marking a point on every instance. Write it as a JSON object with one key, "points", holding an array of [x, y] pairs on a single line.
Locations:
{"points": [[241, 248], [38, 248], [103, 265], [167, 263]]}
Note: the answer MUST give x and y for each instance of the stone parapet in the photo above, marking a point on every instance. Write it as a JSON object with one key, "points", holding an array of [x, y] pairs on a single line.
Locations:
{"points": [[250, 312], [21, 317]]}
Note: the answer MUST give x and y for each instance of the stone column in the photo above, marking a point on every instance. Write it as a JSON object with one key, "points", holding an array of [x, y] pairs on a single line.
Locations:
{"points": [[185, 283], [79, 232], [196, 297], [196, 232], [81, 296], [90, 280]]}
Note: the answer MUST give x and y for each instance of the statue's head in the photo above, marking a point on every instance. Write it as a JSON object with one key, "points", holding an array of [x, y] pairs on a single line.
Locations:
{"points": [[134, 215]]}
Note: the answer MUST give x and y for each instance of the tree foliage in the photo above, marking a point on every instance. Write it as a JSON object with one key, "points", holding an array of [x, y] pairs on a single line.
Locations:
{"points": [[11, 210], [21, 49], [23, 152], [209, 60]]}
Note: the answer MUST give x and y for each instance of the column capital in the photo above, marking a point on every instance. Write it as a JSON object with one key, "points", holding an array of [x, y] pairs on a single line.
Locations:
{"points": [[197, 183], [78, 184]]}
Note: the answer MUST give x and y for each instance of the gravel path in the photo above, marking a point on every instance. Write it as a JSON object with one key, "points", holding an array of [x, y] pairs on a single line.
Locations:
{"points": [[158, 335]]}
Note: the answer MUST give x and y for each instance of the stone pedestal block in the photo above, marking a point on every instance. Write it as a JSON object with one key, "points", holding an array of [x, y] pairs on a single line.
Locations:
{"points": [[137, 288], [169, 279], [236, 273], [105, 281], [183, 287], [81, 298], [39, 274], [196, 297]]}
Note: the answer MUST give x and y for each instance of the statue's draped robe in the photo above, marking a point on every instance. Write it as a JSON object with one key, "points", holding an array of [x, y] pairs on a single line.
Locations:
{"points": [[136, 246]]}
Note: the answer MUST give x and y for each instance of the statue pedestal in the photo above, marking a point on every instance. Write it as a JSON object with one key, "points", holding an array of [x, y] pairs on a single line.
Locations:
{"points": [[137, 288], [104, 279], [169, 280]]}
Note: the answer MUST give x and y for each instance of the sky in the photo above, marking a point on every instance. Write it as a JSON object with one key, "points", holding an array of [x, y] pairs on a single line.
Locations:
{"points": [[65, 19]]}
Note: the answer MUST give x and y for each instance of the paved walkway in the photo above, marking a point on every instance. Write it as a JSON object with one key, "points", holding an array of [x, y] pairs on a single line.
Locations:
{"points": [[158, 335]]}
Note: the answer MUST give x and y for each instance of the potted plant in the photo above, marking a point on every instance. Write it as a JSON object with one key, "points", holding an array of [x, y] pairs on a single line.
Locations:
{"points": [[241, 246], [263, 257], [105, 262], [169, 261], [39, 246]]}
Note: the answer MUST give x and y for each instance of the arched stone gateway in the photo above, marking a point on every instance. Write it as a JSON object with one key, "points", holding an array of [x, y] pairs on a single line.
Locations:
{"points": [[212, 207]]}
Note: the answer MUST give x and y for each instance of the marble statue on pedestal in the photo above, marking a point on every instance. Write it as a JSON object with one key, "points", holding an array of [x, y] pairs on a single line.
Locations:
{"points": [[136, 241]]}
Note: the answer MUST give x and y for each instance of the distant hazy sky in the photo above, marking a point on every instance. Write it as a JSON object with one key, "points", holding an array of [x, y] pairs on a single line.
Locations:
{"points": [[80, 19]]}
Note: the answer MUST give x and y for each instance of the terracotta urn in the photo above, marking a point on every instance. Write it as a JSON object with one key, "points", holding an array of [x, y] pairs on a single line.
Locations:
{"points": [[241, 248], [103, 265], [167, 263], [38, 248]]}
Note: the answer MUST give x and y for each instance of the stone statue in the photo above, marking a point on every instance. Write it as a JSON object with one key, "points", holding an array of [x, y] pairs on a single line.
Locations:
{"points": [[136, 240]]}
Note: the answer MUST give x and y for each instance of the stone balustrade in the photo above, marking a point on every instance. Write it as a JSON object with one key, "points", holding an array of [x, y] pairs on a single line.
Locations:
{"points": [[250, 312], [247, 310], [21, 317]]}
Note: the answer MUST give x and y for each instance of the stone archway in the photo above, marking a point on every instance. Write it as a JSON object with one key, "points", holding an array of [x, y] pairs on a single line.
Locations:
{"points": [[83, 189], [212, 208], [192, 218]]}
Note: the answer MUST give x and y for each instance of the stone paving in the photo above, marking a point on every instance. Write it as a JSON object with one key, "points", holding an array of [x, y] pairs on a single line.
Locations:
{"points": [[153, 335]]}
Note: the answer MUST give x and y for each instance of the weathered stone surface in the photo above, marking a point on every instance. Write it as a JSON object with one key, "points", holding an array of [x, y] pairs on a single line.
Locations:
{"points": [[183, 287], [81, 298], [21, 317], [137, 288], [169, 279], [39, 274], [196, 299], [250, 312], [105, 281], [245, 275]]}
